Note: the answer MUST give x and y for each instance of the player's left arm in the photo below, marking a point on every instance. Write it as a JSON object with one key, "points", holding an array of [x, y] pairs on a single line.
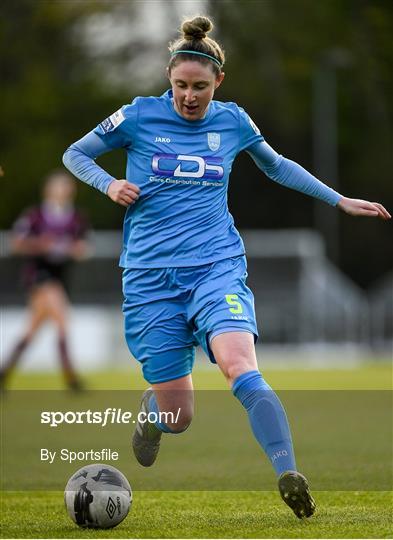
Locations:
{"points": [[292, 175]]}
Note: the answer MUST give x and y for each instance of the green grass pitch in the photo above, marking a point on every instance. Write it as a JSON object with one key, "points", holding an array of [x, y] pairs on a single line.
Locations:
{"points": [[214, 514], [207, 515]]}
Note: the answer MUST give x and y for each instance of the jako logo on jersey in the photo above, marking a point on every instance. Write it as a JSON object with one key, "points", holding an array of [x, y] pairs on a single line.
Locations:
{"points": [[179, 165], [162, 139], [213, 140]]}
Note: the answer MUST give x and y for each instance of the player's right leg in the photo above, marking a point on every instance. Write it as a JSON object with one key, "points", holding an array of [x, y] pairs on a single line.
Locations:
{"points": [[37, 316], [170, 406], [160, 338]]}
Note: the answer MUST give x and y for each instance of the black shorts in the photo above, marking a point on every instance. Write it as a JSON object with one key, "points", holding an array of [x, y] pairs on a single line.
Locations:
{"points": [[39, 271]]}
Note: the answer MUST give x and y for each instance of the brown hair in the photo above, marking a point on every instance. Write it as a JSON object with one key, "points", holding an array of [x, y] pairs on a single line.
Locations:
{"points": [[194, 38], [55, 174]]}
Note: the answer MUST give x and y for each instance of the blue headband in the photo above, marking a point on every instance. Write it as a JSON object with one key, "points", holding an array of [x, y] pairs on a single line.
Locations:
{"points": [[199, 54]]}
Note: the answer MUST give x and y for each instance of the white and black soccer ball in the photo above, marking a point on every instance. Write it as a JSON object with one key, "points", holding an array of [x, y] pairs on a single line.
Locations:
{"points": [[98, 496]]}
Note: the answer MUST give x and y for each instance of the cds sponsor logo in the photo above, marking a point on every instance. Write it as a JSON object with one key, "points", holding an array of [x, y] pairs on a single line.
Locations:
{"points": [[182, 165]]}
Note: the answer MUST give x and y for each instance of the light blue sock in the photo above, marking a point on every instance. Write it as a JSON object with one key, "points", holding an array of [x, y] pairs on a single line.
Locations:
{"points": [[268, 420], [153, 407]]}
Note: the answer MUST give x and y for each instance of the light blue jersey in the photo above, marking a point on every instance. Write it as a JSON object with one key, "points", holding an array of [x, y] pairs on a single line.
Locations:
{"points": [[185, 273], [182, 169]]}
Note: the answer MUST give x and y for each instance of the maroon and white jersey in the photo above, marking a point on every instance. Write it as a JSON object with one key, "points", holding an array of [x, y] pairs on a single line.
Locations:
{"points": [[63, 226]]}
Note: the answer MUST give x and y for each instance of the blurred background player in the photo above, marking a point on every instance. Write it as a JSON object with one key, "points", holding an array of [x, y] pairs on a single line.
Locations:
{"points": [[50, 236]]}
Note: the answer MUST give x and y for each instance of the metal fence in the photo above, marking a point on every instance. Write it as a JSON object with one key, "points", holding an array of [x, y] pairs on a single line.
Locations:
{"points": [[300, 296]]}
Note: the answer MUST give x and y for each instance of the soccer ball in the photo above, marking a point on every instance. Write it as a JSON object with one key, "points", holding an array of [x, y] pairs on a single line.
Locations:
{"points": [[98, 496]]}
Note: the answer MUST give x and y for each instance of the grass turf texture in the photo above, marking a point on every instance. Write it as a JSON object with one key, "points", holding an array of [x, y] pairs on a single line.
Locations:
{"points": [[213, 514], [206, 515]]}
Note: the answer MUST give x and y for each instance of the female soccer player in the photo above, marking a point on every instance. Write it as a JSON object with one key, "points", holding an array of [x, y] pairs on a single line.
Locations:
{"points": [[50, 236], [184, 277]]}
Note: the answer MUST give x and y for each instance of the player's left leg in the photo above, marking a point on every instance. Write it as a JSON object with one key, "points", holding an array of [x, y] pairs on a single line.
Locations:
{"points": [[225, 326], [55, 303], [235, 355]]}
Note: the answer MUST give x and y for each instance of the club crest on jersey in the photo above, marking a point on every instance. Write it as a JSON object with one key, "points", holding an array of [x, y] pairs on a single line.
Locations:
{"points": [[214, 141]]}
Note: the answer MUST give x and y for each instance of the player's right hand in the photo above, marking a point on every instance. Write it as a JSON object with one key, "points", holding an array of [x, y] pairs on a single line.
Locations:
{"points": [[123, 192]]}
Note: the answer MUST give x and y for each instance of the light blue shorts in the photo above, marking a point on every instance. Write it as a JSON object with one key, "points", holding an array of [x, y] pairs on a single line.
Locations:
{"points": [[168, 311]]}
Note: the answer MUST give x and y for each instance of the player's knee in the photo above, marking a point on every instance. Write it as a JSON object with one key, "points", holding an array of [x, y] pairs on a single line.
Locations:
{"points": [[238, 365], [179, 422], [234, 353], [179, 427]]}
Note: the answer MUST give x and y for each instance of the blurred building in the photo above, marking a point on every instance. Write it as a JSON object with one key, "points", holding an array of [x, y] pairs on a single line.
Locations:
{"points": [[303, 302]]}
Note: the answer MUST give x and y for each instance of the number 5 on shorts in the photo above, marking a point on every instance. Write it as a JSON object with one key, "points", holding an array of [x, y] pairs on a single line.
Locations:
{"points": [[232, 301]]}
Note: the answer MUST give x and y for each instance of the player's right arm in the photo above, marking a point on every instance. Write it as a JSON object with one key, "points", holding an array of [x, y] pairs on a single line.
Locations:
{"points": [[114, 132]]}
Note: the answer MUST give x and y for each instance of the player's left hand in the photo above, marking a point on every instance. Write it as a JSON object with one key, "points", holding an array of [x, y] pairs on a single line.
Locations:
{"points": [[357, 207]]}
